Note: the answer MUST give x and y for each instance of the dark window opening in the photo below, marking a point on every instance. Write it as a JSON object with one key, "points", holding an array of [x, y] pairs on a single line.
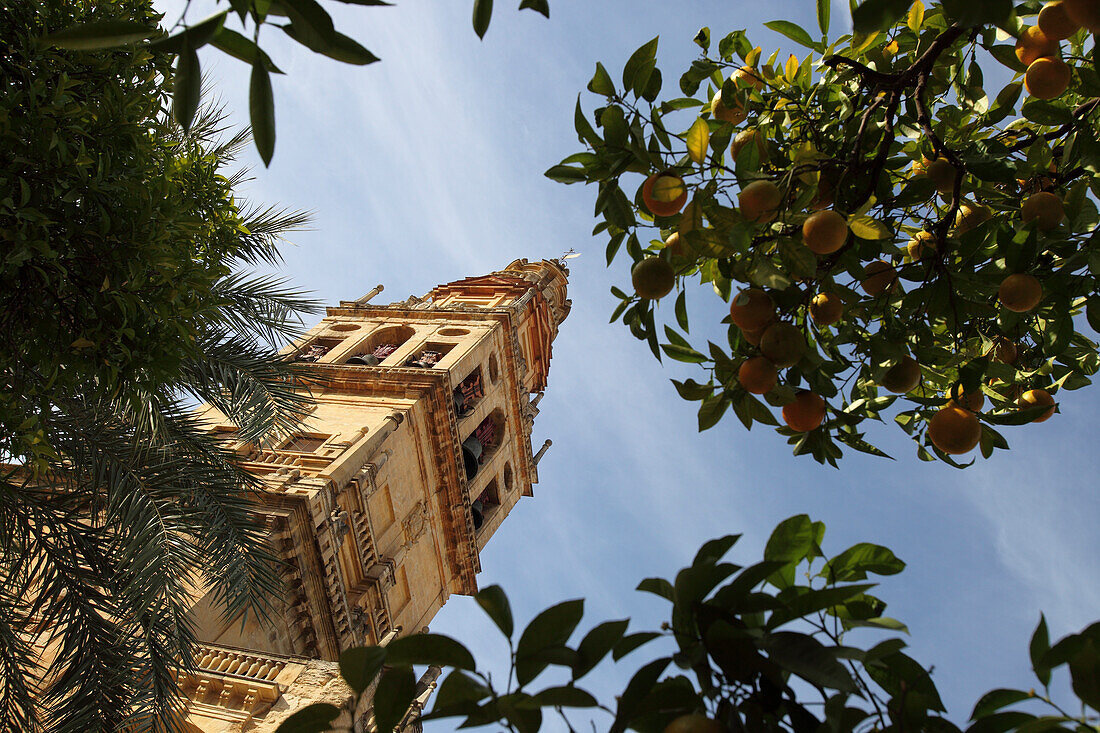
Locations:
{"points": [[468, 393], [482, 443], [303, 443], [380, 345], [431, 355], [485, 504], [317, 349]]}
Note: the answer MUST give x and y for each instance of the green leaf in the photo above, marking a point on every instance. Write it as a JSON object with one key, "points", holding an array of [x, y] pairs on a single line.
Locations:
{"points": [[434, 649], [483, 13], [636, 691], [186, 85], [970, 14], [711, 411], [1046, 113], [562, 697], [878, 15], [698, 137], [195, 36], [312, 23], [91, 36], [806, 657], [359, 665], [1039, 646], [261, 110], [566, 174], [683, 353], [823, 10], [714, 550], [800, 601], [601, 82], [539, 6], [495, 603], [860, 559], [551, 628], [639, 64], [658, 587], [632, 642], [336, 46], [1084, 671], [395, 692], [795, 33], [994, 700], [792, 540], [313, 718], [681, 310], [865, 227], [458, 689], [900, 674], [239, 47], [597, 643]]}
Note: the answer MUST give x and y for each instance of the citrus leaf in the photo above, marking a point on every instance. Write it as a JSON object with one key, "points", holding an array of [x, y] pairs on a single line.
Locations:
{"points": [[433, 649], [698, 137], [90, 36], [483, 13], [795, 33], [359, 665], [495, 603], [314, 718], [865, 227], [186, 87], [261, 109]]}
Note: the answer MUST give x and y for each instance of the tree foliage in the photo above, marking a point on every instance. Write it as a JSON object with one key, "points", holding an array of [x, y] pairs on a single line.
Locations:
{"points": [[307, 22], [126, 299], [907, 210], [761, 647]]}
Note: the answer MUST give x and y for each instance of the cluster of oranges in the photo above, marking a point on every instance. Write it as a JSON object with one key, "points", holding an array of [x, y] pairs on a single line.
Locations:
{"points": [[1037, 48], [955, 429]]}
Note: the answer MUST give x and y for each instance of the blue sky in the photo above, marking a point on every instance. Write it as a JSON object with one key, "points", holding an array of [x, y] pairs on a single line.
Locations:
{"points": [[428, 167]]}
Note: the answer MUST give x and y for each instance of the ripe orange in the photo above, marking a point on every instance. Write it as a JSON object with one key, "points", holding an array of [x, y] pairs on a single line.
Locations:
{"points": [[743, 138], [879, 276], [942, 175], [752, 309], [1020, 292], [748, 77], [664, 193], [826, 309], [783, 344], [757, 375], [806, 413], [759, 201], [972, 401], [824, 232], [1033, 44], [1055, 22], [1006, 351], [902, 377], [971, 215], [923, 244], [1084, 13], [1034, 398], [1045, 207], [1046, 78], [954, 430], [694, 723], [734, 114], [653, 278], [753, 335]]}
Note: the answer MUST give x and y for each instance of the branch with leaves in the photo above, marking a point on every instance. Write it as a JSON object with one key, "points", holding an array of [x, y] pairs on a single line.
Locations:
{"points": [[884, 230], [759, 647], [305, 21]]}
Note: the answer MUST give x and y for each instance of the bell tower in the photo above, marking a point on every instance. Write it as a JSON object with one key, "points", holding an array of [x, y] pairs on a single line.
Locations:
{"points": [[417, 448]]}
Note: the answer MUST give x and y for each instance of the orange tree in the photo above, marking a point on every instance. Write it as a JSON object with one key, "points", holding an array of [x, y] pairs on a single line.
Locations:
{"points": [[885, 227], [762, 647]]}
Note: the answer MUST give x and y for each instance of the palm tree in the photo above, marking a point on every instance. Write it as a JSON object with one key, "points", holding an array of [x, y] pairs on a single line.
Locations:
{"points": [[115, 501]]}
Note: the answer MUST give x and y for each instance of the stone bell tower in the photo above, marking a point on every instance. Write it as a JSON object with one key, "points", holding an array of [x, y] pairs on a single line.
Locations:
{"points": [[417, 448]]}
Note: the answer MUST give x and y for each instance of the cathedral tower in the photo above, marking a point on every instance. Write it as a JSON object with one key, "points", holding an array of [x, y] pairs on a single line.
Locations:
{"points": [[417, 448]]}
